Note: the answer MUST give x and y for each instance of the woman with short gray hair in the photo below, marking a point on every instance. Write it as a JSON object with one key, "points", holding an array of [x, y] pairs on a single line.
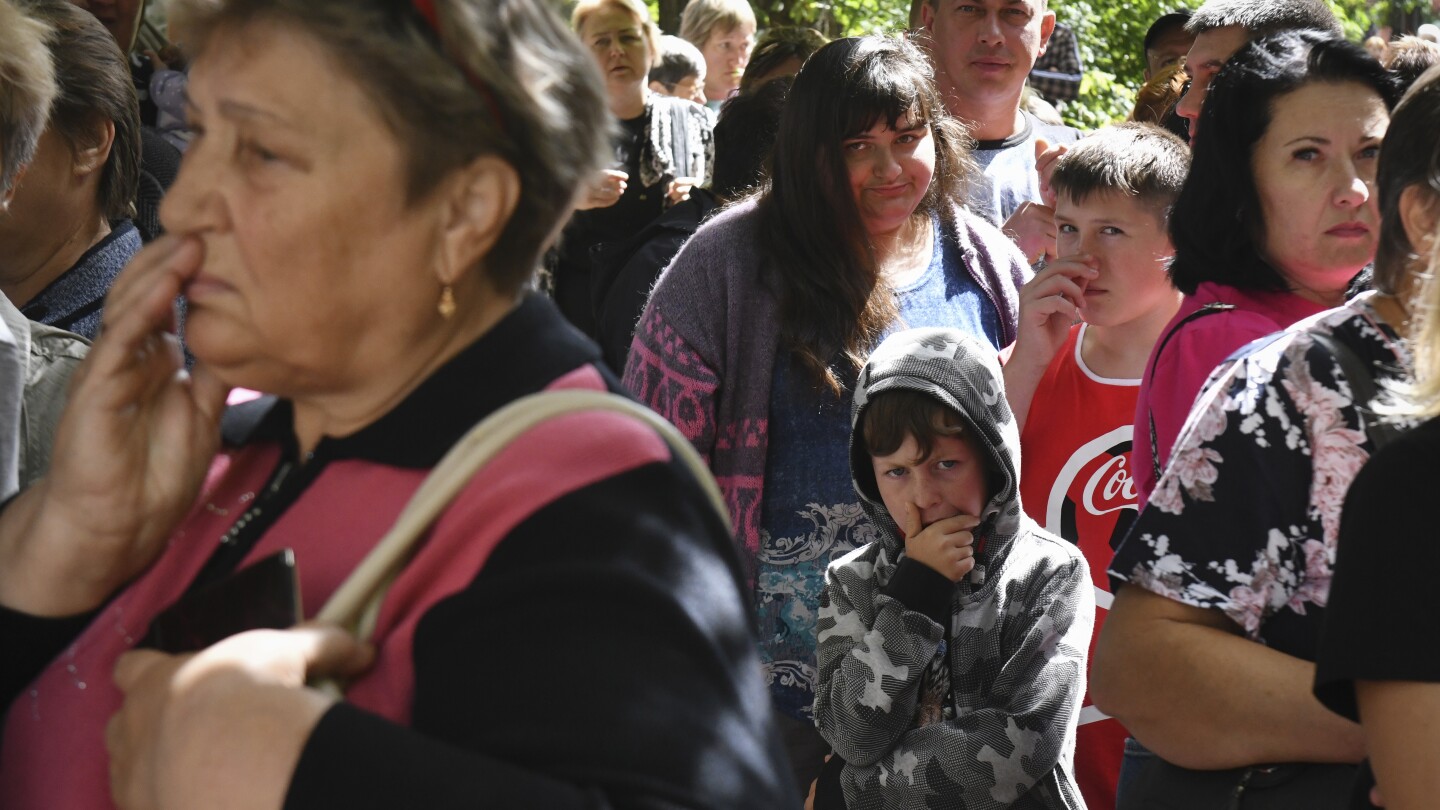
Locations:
{"points": [[355, 228]]}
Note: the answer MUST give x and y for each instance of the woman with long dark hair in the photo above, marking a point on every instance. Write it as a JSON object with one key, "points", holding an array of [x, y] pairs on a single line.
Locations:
{"points": [[753, 337]]}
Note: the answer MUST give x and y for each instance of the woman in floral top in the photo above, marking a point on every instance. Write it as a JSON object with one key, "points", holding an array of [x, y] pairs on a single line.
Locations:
{"points": [[1236, 543]]}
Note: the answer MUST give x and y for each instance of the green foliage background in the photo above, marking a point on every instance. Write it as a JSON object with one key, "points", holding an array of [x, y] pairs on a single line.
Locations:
{"points": [[1111, 34]]}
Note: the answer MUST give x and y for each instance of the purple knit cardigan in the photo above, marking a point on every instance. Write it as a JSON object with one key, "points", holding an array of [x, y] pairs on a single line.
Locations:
{"points": [[704, 351]]}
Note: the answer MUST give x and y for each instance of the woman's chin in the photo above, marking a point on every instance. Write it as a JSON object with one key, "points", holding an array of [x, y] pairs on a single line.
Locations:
{"points": [[1326, 284], [215, 342], [888, 224]]}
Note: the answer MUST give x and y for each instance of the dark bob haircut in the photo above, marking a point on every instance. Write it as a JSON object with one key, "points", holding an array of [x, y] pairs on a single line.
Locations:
{"points": [[1264, 17], [1409, 157], [1216, 226]]}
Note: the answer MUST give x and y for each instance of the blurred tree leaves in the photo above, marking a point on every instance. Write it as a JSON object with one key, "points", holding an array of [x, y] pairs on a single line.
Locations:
{"points": [[1112, 37]]}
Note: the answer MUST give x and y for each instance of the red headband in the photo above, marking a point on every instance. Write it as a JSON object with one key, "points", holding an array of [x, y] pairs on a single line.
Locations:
{"points": [[426, 9]]}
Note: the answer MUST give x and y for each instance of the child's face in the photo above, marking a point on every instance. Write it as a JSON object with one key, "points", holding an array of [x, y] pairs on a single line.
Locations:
{"points": [[950, 481], [1129, 241], [690, 88]]}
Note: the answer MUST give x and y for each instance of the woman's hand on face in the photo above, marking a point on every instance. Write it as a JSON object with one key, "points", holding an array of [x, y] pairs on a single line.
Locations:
{"points": [[225, 727], [1050, 303], [607, 190], [131, 450], [947, 546]]}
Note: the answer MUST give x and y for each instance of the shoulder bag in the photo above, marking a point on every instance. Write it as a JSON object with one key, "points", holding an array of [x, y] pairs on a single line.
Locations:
{"points": [[356, 603]]}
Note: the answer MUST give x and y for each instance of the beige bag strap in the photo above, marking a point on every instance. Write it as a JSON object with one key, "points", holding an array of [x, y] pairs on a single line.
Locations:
{"points": [[356, 603]]}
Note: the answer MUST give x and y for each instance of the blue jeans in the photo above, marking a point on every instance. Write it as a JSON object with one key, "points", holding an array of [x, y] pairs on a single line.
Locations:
{"points": [[1135, 758]]}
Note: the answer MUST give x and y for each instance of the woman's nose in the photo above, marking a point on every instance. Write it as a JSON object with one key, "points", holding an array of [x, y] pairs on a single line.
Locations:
{"points": [[1351, 189], [885, 166], [190, 205]]}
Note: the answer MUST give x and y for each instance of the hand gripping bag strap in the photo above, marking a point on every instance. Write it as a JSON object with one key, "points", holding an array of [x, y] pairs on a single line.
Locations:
{"points": [[356, 603]]}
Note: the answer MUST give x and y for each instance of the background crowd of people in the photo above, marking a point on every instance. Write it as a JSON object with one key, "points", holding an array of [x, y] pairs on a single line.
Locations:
{"points": [[1038, 468]]}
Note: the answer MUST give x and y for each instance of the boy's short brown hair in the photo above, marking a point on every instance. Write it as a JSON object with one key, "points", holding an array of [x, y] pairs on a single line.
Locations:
{"points": [[1141, 161], [894, 415]]}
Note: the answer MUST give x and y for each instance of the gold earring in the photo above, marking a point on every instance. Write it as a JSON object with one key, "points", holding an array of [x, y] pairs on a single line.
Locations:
{"points": [[446, 307]]}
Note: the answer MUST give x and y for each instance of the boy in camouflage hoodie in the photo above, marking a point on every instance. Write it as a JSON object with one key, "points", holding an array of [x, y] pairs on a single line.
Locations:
{"points": [[952, 650]]}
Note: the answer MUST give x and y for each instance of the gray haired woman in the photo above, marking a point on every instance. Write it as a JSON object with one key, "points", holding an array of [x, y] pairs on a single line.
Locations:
{"points": [[355, 228]]}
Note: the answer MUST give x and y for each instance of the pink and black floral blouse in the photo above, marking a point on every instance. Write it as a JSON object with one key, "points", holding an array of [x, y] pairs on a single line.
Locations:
{"points": [[1245, 517]]}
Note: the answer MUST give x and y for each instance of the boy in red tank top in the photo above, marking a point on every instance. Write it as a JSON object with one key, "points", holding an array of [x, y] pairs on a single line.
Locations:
{"points": [[1087, 324]]}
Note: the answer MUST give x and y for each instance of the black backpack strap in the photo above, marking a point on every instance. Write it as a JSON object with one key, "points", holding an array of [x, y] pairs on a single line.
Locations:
{"points": [[1362, 389], [1209, 309]]}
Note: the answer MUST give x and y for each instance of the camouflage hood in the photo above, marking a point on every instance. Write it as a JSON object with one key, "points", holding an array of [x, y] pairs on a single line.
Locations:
{"points": [[963, 374]]}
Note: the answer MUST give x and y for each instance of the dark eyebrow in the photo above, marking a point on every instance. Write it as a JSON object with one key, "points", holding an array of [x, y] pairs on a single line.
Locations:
{"points": [[1309, 138]]}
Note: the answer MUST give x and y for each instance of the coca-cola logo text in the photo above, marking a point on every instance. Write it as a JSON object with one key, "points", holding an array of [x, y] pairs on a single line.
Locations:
{"points": [[1115, 486]]}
